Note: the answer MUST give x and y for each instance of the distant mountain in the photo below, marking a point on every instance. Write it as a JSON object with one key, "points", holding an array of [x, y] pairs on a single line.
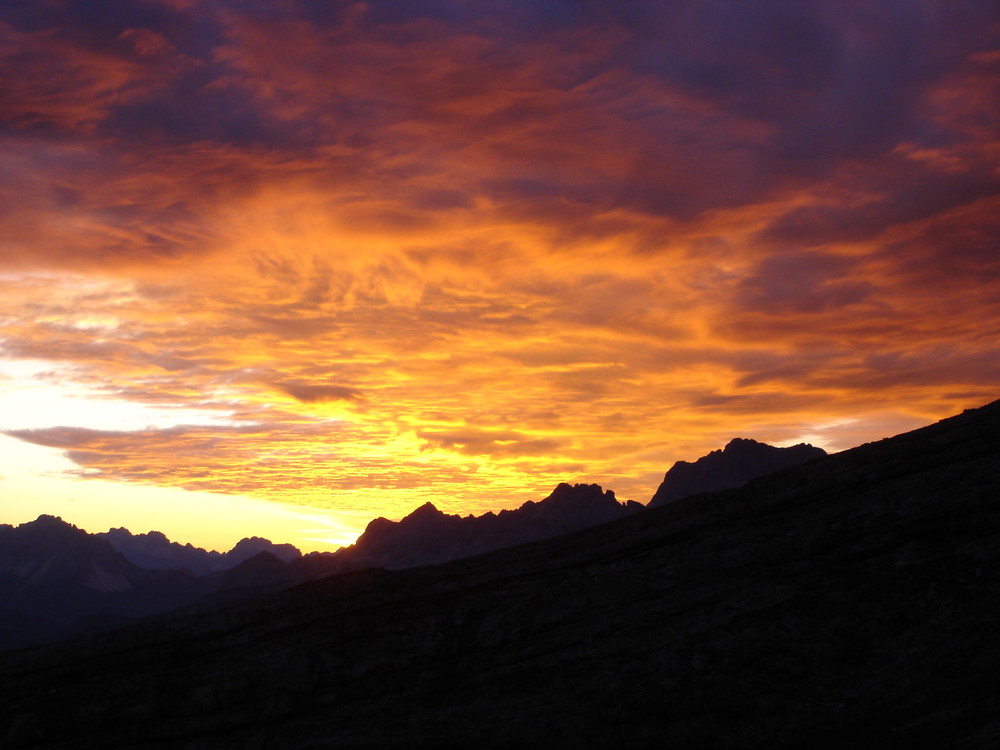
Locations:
{"points": [[733, 466], [250, 547], [57, 581], [848, 602], [155, 551], [429, 537], [50, 552]]}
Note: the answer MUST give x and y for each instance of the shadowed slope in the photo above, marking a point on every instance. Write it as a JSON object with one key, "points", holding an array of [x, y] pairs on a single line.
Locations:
{"points": [[848, 602]]}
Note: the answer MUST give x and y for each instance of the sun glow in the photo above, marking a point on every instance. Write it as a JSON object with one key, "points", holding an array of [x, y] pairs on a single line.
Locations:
{"points": [[36, 480]]}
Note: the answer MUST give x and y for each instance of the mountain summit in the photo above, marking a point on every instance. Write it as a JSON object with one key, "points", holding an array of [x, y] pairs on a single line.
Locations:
{"points": [[428, 536], [740, 461], [50, 552]]}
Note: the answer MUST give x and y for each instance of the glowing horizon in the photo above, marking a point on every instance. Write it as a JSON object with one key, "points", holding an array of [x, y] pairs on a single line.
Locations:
{"points": [[337, 260]]}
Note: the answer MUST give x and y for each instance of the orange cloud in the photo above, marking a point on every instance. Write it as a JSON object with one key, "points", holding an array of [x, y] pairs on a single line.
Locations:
{"points": [[389, 253]]}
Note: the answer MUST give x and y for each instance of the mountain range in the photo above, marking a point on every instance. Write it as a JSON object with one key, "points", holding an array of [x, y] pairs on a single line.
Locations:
{"points": [[58, 581], [850, 601], [154, 551]]}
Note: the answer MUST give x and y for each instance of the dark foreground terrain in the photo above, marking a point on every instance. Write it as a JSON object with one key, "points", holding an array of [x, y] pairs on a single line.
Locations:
{"points": [[849, 602]]}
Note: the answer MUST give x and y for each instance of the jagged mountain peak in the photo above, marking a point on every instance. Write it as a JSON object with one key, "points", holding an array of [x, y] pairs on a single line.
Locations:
{"points": [[741, 460], [427, 510], [50, 551], [154, 551], [739, 443], [430, 536], [153, 536], [566, 492], [46, 521], [47, 532]]}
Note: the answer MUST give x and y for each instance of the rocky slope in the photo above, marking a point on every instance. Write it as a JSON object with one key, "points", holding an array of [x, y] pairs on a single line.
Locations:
{"points": [[847, 602], [733, 466]]}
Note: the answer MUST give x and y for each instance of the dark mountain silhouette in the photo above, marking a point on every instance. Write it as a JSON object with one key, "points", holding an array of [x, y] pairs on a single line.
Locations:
{"points": [[850, 601], [58, 581], [253, 546], [150, 575], [39, 613], [427, 536], [154, 551], [49, 551], [733, 466]]}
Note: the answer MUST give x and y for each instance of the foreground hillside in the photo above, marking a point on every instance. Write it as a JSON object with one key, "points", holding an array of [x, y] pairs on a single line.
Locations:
{"points": [[848, 602]]}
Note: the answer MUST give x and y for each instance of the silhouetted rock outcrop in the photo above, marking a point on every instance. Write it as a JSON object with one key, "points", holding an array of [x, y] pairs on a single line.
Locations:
{"points": [[733, 466], [429, 537], [848, 602]]}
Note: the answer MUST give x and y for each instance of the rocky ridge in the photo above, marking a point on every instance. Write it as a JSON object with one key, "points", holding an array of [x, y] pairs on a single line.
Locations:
{"points": [[58, 581], [154, 551], [429, 537], [740, 461]]}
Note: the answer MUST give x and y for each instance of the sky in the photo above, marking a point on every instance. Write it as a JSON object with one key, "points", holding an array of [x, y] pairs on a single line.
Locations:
{"points": [[278, 268]]}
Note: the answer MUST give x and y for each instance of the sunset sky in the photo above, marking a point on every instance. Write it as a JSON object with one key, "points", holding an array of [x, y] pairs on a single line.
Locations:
{"points": [[278, 267]]}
